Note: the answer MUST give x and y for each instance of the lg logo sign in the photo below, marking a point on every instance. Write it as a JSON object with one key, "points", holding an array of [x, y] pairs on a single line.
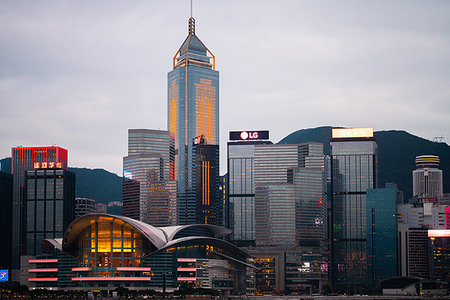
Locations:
{"points": [[249, 135]]}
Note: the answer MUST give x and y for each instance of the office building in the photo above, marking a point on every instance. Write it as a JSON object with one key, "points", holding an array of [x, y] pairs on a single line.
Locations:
{"points": [[49, 206], [103, 252], [25, 159], [381, 233], [424, 215], [427, 178], [84, 206], [149, 191], [439, 243], [354, 170], [240, 206], [290, 195], [208, 205], [6, 200], [193, 111]]}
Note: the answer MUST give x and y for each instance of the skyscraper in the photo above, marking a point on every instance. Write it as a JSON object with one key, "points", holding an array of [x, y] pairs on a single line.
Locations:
{"points": [[240, 206], [290, 195], [354, 170], [193, 111], [208, 204], [427, 178], [49, 205], [24, 159], [149, 191]]}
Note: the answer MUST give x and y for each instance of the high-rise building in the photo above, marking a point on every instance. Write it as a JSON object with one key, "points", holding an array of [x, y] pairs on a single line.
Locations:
{"points": [[381, 233], [149, 191], [427, 178], [439, 244], [193, 111], [25, 159], [354, 170], [240, 204], [290, 195], [49, 206], [208, 205], [6, 199]]}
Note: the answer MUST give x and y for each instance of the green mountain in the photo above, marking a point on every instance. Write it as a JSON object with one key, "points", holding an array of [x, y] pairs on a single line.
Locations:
{"points": [[396, 154], [97, 184]]}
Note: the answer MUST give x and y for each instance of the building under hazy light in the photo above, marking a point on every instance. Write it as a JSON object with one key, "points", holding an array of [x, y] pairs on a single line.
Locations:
{"points": [[354, 170], [193, 111], [149, 191]]}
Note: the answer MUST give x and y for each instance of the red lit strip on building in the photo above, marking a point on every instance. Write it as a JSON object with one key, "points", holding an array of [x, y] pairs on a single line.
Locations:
{"points": [[43, 270], [34, 261], [187, 278], [111, 278], [133, 269], [187, 259], [42, 279], [187, 269], [81, 269]]}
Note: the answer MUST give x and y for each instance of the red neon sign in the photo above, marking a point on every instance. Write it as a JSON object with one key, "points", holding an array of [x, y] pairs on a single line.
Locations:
{"points": [[81, 269], [42, 279], [43, 270], [187, 278], [187, 259], [49, 165], [133, 269], [111, 278], [33, 261], [187, 269]]}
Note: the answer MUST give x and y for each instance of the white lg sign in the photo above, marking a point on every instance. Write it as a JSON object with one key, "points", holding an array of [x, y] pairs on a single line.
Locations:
{"points": [[249, 135]]}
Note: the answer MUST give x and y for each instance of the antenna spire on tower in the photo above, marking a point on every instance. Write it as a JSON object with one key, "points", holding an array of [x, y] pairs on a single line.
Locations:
{"points": [[191, 28]]}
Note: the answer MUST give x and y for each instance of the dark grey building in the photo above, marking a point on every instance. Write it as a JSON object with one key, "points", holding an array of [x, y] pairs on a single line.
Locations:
{"points": [[49, 206], [208, 205], [6, 199], [354, 170]]}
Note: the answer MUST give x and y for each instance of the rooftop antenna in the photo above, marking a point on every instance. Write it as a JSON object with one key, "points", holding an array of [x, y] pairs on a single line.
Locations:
{"points": [[438, 139], [191, 28]]}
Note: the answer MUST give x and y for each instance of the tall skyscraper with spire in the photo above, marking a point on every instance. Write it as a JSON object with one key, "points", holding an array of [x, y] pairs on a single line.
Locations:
{"points": [[193, 111]]}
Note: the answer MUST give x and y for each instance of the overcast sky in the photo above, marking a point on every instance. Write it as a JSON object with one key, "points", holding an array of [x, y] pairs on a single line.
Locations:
{"points": [[78, 74]]}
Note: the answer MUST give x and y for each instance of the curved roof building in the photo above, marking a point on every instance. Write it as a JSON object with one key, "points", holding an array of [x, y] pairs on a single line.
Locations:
{"points": [[104, 251]]}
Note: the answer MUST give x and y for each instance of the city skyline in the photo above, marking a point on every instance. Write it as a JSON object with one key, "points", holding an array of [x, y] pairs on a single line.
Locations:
{"points": [[284, 67]]}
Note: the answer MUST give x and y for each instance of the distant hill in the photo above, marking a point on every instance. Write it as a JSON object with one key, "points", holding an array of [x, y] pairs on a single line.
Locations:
{"points": [[97, 184], [396, 153]]}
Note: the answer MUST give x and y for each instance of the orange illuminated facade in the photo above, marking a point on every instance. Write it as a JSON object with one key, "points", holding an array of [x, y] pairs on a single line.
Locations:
{"points": [[193, 111], [103, 252]]}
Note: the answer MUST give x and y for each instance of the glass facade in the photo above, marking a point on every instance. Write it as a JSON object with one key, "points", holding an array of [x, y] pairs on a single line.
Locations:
{"points": [[241, 191], [24, 159], [50, 206], [101, 251], [108, 243], [290, 195], [193, 111], [353, 172], [149, 191], [209, 206], [381, 234]]}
